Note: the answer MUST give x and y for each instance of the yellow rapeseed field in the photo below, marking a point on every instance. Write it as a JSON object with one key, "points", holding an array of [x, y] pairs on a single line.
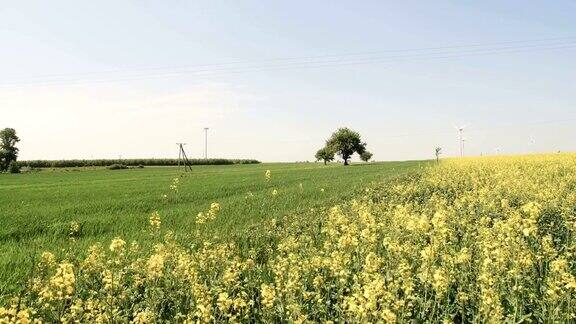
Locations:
{"points": [[468, 240]]}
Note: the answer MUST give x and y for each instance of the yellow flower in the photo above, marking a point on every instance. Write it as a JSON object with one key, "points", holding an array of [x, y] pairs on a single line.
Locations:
{"points": [[107, 279], [224, 302], [144, 317], [268, 295], [440, 281], [215, 207], [15, 314], [155, 266], [48, 259], [117, 245], [61, 284], [155, 220], [74, 228], [202, 217], [268, 175], [175, 184]]}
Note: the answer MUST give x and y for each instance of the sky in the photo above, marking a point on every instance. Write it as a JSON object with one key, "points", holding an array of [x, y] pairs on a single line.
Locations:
{"points": [[273, 79]]}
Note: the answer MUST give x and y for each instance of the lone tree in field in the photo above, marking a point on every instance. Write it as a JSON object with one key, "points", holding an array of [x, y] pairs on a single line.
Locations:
{"points": [[437, 152], [325, 154], [345, 142], [365, 156], [8, 149]]}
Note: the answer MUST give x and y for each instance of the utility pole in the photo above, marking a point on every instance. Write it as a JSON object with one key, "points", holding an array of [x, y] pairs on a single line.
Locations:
{"points": [[206, 143], [182, 157]]}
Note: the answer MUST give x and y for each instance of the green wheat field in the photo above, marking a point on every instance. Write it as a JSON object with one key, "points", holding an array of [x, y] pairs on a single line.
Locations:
{"points": [[37, 208]]}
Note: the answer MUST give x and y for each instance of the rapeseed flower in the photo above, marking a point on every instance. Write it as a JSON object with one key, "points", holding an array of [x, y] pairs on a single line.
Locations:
{"points": [[155, 220], [472, 240]]}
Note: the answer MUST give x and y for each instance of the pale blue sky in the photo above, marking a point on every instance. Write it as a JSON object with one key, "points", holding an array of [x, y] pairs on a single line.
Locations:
{"points": [[81, 79]]}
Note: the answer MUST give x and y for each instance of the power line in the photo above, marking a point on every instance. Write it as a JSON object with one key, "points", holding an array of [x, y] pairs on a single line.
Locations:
{"points": [[456, 46], [337, 60], [303, 65]]}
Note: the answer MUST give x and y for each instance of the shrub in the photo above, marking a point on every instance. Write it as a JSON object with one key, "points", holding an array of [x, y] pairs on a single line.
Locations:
{"points": [[117, 166], [14, 167]]}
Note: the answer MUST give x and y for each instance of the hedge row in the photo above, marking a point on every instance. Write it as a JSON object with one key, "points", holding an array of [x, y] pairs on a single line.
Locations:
{"points": [[128, 162]]}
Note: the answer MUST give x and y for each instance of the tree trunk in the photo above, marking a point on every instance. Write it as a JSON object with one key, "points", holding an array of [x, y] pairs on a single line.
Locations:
{"points": [[345, 161], [324, 162]]}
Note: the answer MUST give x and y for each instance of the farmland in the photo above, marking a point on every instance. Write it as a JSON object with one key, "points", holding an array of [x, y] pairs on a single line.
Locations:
{"points": [[38, 208], [466, 240]]}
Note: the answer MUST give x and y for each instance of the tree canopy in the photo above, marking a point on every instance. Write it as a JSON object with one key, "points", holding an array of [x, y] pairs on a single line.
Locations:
{"points": [[8, 149], [325, 154], [365, 156], [345, 142]]}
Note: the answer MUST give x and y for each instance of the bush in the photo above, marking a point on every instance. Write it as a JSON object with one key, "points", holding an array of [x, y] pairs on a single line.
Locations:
{"points": [[117, 166], [14, 167]]}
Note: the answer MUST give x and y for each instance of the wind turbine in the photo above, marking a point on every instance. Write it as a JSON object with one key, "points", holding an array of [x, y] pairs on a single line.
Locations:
{"points": [[531, 144], [461, 140]]}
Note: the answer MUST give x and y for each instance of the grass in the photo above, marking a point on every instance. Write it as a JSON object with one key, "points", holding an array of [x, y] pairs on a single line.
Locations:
{"points": [[36, 209]]}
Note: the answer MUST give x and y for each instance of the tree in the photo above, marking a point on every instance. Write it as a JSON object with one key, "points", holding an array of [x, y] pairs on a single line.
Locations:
{"points": [[437, 152], [8, 149], [365, 156], [346, 142], [325, 154]]}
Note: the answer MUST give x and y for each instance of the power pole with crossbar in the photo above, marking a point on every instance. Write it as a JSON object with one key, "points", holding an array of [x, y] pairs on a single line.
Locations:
{"points": [[182, 157]]}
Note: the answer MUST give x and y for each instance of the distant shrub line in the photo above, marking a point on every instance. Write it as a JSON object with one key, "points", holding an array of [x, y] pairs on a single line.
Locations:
{"points": [[117, 167], [128, 162]]}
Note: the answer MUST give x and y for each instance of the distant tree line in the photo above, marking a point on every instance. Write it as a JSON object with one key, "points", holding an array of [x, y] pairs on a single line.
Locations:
{"points": [[128, 162]]}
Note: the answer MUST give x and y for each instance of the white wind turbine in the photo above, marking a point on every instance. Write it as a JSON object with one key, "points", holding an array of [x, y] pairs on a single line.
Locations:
{"points": [[461, 139], [531, 144]]}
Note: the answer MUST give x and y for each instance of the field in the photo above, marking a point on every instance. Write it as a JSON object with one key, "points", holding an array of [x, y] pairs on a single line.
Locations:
{"points": [[38, 208], [466, 240]]}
